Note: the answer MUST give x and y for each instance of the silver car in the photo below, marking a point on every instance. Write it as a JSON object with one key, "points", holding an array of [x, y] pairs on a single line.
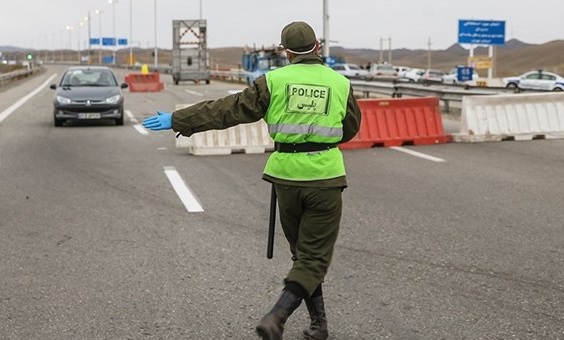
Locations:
{"points": [[351, 71], [383, 72]]}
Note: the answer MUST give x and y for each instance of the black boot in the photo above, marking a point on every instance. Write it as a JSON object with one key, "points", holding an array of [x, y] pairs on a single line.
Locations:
{"points": [[271, 326], [318, 327]]}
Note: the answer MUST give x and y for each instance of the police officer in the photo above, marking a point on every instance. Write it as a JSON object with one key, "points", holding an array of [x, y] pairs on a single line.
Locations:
{"points": [[309, 110]]}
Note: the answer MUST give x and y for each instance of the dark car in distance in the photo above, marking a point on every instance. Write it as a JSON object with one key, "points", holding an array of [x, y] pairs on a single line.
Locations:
{"points": [[88, 93]]}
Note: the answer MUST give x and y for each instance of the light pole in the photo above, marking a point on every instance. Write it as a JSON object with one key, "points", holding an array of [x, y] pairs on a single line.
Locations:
{"points": [[53, 54], [130, 61], [99, 12], [114, 39], [62, 43], [69, 28], [89, 20], [80, 24], [326, 29], [156, 52]]}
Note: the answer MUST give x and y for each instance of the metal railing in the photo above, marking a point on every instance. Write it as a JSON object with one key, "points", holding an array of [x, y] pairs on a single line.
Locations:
{"points": [[445, 92], [8, 77], [396, 89]]}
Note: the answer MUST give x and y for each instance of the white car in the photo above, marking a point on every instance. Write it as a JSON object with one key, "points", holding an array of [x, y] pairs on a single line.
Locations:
{"points": [[383, 72], [536, 80], [412, 75], [401, 70], [452, 77], [351, 71]]}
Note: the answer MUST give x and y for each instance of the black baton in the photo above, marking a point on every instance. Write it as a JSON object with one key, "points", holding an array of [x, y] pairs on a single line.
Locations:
{"points": [[271, 224]]}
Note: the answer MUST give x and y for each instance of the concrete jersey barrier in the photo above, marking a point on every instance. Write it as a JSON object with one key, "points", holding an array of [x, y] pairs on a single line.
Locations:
{"points": [[511, 117], [244, 138]]}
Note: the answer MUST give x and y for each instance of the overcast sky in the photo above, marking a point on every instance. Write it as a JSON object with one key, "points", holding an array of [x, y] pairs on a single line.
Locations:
{"points": [[352, 23]]}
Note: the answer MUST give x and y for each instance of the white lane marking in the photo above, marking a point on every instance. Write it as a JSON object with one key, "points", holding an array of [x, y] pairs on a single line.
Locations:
{"points": [[137, 126], [234, 91], [131, 117], [141, 129], [182, 190], [418, 154], [24, 99], [194, 93]]}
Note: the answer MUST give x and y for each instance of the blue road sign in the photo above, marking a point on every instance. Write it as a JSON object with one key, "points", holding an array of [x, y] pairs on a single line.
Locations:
{"points": [[481, 32], [109, 41], [94, 41], [122, 42], [464, 73], [108, 59]]}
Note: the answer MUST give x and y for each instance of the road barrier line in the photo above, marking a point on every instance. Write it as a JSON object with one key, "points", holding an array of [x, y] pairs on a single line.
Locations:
{"points": [[6, 113], [182, 190], [418, 154]]}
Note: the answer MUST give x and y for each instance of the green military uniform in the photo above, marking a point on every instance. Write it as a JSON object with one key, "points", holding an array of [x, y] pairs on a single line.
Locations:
{"points": [[317, 236], [309, 110]]}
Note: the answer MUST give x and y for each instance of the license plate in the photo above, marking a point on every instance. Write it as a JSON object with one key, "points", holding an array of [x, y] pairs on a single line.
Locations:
{"points": [[89, 116]]}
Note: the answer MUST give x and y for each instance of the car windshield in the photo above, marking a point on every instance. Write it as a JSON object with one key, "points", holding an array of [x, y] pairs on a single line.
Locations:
{"points": [[354, 67], [88, 77]]}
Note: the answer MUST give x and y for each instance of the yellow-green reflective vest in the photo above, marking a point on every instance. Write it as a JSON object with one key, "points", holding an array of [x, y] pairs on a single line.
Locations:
{"points": [[307, 104]]}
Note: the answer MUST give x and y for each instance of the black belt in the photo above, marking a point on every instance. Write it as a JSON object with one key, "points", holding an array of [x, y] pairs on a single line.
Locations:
{"points": [[302, 147]]}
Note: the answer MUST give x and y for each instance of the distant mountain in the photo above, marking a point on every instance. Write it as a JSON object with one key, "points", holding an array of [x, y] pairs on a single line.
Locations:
{"points": [[514, 57], [457, 49], [10, 49], [514, 44]]}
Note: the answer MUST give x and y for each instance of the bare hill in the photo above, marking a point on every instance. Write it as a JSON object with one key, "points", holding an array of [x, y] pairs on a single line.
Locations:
{"points": [[513, 58]]}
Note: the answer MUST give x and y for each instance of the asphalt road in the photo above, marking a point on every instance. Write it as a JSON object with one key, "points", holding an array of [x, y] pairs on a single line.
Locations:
{"points": [[96, 244]]}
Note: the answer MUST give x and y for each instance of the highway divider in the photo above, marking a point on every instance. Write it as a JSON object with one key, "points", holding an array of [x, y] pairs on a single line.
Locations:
{"points": [[243, 138], [511, 117], [399, 121], [144, 82]]}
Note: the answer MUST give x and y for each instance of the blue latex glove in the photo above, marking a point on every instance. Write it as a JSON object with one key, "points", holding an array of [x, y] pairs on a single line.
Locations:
{"points": [[160, 121]]}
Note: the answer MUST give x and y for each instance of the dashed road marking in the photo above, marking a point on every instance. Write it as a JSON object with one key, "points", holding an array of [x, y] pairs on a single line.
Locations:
{"points": [[140, 129], [136, 126], [186, 196], [194, 93], [418, 154]]}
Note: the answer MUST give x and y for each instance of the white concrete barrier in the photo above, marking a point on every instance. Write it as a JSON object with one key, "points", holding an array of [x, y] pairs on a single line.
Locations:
{"points": [[511, 117], [246, 138]]}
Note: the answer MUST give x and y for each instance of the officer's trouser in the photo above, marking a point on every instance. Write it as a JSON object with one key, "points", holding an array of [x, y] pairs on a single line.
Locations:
{"points": [[310, 218]]}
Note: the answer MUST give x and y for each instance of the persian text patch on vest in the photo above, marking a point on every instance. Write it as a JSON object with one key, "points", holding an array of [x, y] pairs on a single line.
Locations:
{"points": [[302, 98]]}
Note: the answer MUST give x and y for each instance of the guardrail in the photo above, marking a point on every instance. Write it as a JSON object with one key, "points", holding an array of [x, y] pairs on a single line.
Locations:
{"points": [[5, 78], [445, 92]]}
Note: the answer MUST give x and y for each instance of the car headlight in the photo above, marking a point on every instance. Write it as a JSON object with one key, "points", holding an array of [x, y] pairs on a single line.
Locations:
{"points": [[63, 100], [113, 99]]}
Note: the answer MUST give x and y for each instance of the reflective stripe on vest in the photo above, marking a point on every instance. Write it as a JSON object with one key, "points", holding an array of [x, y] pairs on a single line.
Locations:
{"points": [[307, 104], [305, 130]]}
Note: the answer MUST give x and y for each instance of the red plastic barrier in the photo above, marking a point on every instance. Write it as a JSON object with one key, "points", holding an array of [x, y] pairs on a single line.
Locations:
{"points": [[399, 121], [141, 82]]}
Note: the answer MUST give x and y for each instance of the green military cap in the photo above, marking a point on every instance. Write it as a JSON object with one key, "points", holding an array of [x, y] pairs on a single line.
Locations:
{"points": [[298, 37]]}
